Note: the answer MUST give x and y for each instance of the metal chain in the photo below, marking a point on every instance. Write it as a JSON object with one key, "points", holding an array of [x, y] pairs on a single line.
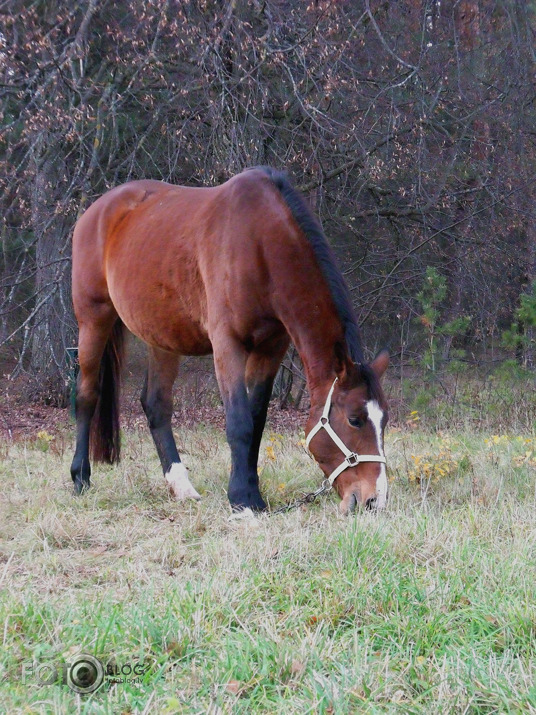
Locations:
{"points": [[307, 499]]}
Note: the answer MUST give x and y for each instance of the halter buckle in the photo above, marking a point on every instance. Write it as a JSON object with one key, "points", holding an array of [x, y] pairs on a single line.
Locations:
{"points": [[352, 460]]}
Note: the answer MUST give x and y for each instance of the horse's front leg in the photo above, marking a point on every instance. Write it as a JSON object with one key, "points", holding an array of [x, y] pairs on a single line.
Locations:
{"points": [[261, 369], [157, 402], [230, 362]]}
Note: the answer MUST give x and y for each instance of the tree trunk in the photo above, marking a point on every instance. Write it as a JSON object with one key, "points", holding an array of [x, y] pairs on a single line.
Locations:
{"points": [[51, 328]]}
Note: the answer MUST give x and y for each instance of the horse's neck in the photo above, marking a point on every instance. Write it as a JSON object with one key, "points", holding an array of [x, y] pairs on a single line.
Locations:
{"points": [[316, 336], [304, 303]]}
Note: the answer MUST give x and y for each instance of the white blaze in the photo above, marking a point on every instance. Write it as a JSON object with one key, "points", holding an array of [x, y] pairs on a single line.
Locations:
{"points": [[180, 485], [375, 414]]}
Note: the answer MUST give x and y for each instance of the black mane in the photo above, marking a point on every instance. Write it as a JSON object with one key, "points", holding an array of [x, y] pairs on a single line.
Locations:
{"points": [[328, 265]]}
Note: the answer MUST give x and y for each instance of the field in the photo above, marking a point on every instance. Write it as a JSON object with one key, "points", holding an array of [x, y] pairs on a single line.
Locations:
{"points": [[427, 608]]}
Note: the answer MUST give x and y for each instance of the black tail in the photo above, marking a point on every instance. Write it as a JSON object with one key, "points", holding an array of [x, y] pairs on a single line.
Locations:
{"points": [[105, 439]]}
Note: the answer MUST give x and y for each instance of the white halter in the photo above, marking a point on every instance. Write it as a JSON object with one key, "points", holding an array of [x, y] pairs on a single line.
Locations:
{"points": [[351, 458]]}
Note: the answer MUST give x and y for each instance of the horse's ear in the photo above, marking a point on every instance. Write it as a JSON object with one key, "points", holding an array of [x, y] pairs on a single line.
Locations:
{"points": [[380, 363], [342, 362]]}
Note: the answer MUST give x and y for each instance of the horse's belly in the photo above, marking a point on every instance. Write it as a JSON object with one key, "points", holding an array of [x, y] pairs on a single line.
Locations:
{"points": [[160, 327], [161, 316]]}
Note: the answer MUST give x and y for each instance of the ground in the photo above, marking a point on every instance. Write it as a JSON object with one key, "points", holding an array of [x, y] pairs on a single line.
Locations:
{"points": [[428, 607]]}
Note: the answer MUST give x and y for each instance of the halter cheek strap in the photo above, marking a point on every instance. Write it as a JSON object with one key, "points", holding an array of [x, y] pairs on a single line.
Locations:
{"points": [[351, 459]]}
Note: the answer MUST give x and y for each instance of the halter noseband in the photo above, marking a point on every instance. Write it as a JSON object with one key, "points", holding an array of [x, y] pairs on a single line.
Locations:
{"points": [[351, 459]]}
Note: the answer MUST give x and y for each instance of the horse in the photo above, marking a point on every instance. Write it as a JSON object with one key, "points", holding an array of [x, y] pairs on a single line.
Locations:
{"points": [[237, 270]]}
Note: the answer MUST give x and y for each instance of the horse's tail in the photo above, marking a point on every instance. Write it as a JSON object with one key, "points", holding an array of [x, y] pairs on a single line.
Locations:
{"points": [[105, 438]]}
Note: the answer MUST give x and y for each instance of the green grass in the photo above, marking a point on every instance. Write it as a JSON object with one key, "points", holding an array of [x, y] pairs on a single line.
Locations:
{"points": [[428, 608]]}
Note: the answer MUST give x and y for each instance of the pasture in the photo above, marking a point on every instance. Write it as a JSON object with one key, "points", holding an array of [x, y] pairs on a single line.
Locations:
{"points": [[428, 607]]}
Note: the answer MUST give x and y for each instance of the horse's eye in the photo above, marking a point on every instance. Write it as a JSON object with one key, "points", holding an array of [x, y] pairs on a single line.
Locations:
{"points": [[356, 422]]}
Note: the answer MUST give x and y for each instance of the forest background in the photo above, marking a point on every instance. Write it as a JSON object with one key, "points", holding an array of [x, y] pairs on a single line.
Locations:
{"points": [[410, 127]]}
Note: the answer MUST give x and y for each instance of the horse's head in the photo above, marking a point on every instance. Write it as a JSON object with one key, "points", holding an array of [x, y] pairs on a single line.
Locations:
{"points": [[347, 438]]}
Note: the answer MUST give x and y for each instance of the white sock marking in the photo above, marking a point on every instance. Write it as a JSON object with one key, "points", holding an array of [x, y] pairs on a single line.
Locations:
{"points": [[375, 414], [180, 485]]}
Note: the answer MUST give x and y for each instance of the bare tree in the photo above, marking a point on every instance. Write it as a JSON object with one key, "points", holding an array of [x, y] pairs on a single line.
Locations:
{"points": [[409, 125]]}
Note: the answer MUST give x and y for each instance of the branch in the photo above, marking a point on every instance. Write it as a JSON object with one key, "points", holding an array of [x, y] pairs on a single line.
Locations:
{"points": [[413, 68], [352, 163]]}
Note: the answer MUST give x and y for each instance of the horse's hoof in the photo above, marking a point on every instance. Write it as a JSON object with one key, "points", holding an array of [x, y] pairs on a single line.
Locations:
{"points": [[252, 502], [81, 487], [179, 484], [259, 505], [242, 514]]}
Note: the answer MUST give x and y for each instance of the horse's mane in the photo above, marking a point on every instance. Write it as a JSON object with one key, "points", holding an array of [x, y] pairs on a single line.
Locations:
{"points": [[306, 220]]}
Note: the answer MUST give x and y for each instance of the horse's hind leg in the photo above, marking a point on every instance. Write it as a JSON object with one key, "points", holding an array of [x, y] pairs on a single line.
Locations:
{"points": [[157, 402], [92, 339]]}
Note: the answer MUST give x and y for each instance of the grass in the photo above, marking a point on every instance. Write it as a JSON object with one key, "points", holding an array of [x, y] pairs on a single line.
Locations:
{"points": [[427, 608]]}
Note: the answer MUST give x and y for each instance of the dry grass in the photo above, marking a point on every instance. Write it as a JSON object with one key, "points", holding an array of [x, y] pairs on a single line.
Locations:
{"points": [[427, 608]]}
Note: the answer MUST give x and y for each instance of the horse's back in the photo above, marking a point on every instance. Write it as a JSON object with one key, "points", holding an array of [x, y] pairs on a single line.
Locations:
{"points": [[178, 262]]}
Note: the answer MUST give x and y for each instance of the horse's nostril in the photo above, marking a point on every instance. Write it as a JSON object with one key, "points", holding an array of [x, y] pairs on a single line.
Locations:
{"points": [[370, 503], [352, 504]]}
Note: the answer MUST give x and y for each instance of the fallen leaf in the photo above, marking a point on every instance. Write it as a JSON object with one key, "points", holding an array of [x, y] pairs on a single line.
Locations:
{"points": [[297, 668]]}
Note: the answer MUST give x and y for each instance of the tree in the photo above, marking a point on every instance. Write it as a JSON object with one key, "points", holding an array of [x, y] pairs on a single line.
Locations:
{"points": [[409, 126]]}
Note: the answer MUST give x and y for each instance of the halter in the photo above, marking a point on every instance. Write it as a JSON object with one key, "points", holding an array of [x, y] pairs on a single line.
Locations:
{"points": [[351, 459]]}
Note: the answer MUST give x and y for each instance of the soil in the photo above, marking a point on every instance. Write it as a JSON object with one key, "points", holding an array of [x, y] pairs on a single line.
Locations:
{"points": [[195, 404]]}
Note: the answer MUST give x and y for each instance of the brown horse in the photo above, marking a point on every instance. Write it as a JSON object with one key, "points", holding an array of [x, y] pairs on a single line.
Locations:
{"points": [[238, 270]]}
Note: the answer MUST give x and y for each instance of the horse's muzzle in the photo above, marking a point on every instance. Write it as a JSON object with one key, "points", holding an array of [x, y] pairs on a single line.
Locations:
{"points": [[354, 504]]}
